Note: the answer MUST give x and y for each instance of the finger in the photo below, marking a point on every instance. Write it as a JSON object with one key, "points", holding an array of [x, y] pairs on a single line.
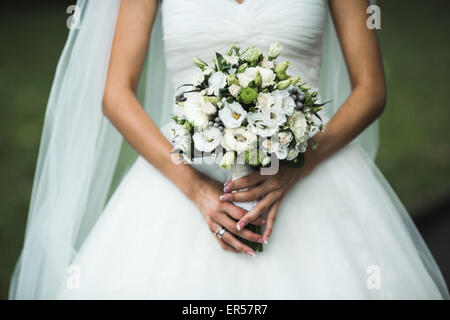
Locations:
{"points": [[237, 213], [271, 216], [224, 220], [245, 182], [249, 195], [213, 227], [236, 244], [259, 209]]}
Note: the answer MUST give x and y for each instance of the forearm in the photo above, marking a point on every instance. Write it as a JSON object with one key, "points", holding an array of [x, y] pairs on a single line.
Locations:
{"points": [[362, 107], [126, 113]]}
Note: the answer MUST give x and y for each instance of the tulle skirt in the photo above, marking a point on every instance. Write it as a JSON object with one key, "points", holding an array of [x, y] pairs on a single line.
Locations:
{"points": [[341, 233]]}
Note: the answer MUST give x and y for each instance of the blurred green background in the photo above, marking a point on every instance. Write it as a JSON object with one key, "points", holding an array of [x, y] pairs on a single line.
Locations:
{"points": [[414, 149]]}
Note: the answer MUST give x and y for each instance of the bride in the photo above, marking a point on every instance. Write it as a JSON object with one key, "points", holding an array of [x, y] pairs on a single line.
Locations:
{"points": [[105, 224]]}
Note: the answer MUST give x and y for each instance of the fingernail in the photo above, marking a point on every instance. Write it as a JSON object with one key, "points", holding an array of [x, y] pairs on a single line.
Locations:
{"points": [[263, 222], [250, 253], [223, 198], [227, 189], [260, 240], [239, 226], [265, 241]]}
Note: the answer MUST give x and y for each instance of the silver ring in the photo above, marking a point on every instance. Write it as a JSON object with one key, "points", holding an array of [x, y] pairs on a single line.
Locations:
{"points": [[220, 231]]}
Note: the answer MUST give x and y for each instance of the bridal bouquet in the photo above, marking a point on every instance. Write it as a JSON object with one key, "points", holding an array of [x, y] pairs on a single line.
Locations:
{"points": [[244, 111]]}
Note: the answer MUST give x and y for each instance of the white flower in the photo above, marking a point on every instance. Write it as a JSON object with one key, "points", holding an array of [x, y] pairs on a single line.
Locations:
{"points": [[232, 115], [199, 79], [217, 81], [269, 145], [208, 71], [180, 138], [283, 100], [275, 50], [234, 90], [265, 100], [207, 140], [228, 160], [281, 152], [275, 114], [178, 111], [209, 108], [266, 63], [261, 124], [239, 139], [298, 125], [193, 110], [292, 153], [285, 137], [249, 75], [231, 60], [267, 75]]}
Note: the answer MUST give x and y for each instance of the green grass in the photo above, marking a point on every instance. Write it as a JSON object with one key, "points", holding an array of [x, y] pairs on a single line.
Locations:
{"points": [[414, 150]]}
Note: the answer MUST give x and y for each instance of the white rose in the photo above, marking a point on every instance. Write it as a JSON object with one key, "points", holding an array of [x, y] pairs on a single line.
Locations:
{"points": [[217, 81], [298, 125], [207, 140], [232, 115], [283, 100], [267, 76], [266, 63], [193, 110], [261, 124], [231, 60], [285, 137], [265, 100], [247, 76], [209, 108], [234, 90], [228, 160], [239, 139]]}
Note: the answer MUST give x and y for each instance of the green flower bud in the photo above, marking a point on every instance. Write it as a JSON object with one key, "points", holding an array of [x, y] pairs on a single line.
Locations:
{"points": [[258, 80], [252, 54], [212, 99], [228, 160], [280, 70], [242, 68], [253, 157], [200, 63], [294, 80], [231, 79], [275, 50], [265, 161], [248, 95], [283, 84], [187, 126]]}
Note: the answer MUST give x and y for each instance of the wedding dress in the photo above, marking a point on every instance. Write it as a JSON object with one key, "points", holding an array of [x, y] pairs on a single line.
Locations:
{"points": [[341, 232]]}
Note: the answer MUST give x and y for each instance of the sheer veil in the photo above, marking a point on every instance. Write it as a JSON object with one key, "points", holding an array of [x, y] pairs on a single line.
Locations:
{"points": [[82, 157]]}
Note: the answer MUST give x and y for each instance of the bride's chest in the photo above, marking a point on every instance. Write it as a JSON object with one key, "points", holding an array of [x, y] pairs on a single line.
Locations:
{"points": [[205, 23]]}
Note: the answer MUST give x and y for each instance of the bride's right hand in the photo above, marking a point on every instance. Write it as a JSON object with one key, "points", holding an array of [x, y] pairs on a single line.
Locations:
{"points": [[218, 213]]}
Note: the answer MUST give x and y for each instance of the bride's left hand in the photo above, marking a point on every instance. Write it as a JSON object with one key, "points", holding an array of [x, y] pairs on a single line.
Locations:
{"points": [[271, 188]]}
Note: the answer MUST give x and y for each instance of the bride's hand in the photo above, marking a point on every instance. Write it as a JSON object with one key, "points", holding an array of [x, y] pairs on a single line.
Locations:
{"points": [[271, 188], [218, 213]]}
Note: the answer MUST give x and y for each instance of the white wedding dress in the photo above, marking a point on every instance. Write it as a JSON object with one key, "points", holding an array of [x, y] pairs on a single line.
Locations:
{"points": [[341, 233]]}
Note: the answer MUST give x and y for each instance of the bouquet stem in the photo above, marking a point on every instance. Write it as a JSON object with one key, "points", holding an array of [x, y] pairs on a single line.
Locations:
{"points": [[238, 171]]}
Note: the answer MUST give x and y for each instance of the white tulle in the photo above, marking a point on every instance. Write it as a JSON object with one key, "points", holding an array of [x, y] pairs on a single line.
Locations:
{"points": [[150, 241]]}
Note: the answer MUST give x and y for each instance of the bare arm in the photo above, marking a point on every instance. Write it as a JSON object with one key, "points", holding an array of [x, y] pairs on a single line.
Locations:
{"points": [[365, 103], [122, 108], [120, 104]]}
